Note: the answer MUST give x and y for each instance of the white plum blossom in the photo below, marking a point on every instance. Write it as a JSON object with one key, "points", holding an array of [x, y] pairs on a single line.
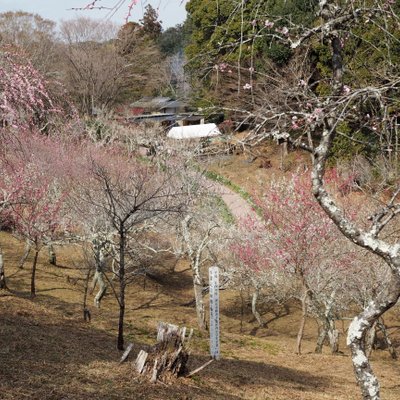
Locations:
{"points": [[284, 30], [223, 67], [269, 24]]}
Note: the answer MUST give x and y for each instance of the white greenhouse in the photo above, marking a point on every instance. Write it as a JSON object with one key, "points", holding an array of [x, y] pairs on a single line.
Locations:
{"points": [[194, 131]]}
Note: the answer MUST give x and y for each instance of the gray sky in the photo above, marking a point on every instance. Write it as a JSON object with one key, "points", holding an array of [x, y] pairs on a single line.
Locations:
{"points": [[171, 12]]}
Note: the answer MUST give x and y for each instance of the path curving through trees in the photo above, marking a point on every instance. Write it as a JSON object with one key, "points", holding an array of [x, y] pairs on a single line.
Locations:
{"points": [[236, 204]]}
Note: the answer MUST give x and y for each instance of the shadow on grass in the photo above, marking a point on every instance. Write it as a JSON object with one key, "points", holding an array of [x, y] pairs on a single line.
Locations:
{"points": [[47, 356], [148, 303], [42, 352], [241, 373]]}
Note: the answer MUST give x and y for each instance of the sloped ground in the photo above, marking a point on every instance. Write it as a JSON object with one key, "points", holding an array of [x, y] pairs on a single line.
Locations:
{"points": [[254, 170], [47, 352]]}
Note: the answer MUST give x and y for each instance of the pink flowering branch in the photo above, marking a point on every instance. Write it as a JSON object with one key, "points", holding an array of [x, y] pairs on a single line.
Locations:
{"points": [[25, 101], [130, 7], [93, 5]]}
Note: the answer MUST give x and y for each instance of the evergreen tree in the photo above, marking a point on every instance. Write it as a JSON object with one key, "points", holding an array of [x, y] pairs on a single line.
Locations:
{"points": [[151, 25], [233, 42], [173, 40], [143, 60]]}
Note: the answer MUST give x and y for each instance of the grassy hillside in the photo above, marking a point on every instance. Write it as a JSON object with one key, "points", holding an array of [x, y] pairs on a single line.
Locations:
{"points": [[48, 352]]}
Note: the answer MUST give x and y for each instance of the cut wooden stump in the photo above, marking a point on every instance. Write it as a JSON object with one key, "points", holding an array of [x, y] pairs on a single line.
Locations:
{"points": [[168, 357], [140, 361]]}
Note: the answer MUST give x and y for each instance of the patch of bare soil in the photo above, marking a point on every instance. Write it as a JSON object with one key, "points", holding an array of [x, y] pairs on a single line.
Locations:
{"points": [[254, 169]]}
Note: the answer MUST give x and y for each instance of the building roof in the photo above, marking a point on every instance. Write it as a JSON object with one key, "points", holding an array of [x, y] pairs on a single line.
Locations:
{"points": [[160, 117], [157, 103], [194, 131]]}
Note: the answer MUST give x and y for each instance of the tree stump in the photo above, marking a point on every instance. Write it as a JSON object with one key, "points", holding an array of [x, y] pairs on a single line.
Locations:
{"points": [[168, 357]]}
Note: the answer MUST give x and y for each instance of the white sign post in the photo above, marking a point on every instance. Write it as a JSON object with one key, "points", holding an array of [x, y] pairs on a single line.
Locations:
{"points": [[214, 312]]}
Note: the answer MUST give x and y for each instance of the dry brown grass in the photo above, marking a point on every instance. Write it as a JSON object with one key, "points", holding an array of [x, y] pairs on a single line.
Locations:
{"points": [[48, 353]]}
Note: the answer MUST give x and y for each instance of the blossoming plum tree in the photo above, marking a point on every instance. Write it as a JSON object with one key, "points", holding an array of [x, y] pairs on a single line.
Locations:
{"points": [[25, 102], [32, 196], [25, 107], [297, 242]]}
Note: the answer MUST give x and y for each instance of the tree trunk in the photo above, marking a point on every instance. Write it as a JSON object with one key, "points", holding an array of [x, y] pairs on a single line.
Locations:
{"points": [[241, 309], [328, 330], [26, 254], [195, 256], [382, 327], [98, 278], [52, 255], [333, 335], [120, 340], [321, 337], [198, 295], [254, 310], [33, 276], [3, 284], [86, 311], [370, 340], [122, 284], [358, 329], [100, 264], [302, 321]]}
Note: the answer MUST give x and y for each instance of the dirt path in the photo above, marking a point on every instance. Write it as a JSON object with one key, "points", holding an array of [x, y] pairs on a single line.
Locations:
{"points": [[238, 206]]}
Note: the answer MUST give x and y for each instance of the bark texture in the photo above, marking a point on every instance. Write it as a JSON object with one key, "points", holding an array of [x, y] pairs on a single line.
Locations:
{"points": [[122, 286], [26, 254], [358, 330], [302, 325], [168, 358], [52, 255], [98, 278], [254, 310], [382, 327], [33, 275], [198, 295]]}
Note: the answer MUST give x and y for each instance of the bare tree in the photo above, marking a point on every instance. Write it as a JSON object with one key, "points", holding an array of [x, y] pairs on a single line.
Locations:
{"points": [[198, 232], [128, 201], [33, 34], [92, 71]]}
